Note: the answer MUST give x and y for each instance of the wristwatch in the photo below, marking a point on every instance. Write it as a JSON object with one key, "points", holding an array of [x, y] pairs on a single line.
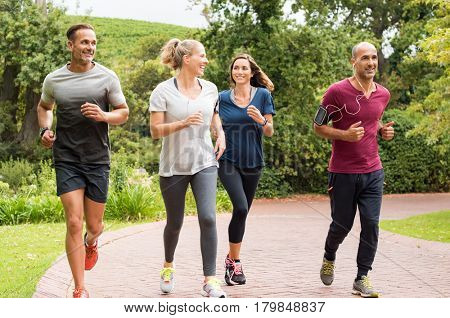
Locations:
{"points": [[265, 122], [43, 130]]}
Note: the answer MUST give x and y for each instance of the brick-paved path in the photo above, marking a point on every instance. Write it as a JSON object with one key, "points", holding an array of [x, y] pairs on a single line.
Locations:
{"points": [[282, 254]]}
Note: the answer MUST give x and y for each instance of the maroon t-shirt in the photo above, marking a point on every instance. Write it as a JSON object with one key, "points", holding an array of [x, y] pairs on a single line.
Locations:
{"points": [[346, 105]]}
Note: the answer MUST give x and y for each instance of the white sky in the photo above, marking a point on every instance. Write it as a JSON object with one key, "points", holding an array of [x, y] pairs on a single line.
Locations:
{"points": [[165, 11]]}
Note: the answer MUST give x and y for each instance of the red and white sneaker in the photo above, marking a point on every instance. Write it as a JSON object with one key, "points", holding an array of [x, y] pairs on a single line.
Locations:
{"points": [[80, 293], [91, 254]]}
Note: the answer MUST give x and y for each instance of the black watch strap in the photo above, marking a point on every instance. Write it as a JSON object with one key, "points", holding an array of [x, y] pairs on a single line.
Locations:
{"points": [[42, 131]]}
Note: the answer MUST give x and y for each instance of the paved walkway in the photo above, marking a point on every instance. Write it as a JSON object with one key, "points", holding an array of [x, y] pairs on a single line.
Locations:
{"points": [[282, 254]]}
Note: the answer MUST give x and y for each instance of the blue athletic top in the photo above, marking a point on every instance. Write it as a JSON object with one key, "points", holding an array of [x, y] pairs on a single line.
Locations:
{"points": [[243, 135]]}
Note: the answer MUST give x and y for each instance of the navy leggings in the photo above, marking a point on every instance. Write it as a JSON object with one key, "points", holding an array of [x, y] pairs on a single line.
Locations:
{"points": [[240, 184]]}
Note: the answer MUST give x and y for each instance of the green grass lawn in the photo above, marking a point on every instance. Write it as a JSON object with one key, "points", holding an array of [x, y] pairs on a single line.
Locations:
{"points": [[432, 226], [28, 250]]}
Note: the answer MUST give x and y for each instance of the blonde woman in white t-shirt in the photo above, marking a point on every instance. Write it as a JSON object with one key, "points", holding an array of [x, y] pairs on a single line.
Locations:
{"points": [[183, 113]]}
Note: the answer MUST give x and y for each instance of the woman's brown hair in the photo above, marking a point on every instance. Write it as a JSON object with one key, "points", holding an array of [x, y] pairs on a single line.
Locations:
{"points": [[259, 78]]}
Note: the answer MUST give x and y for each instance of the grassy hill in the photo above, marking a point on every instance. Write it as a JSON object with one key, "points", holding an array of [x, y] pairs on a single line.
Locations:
{"points": [[119, 38]]}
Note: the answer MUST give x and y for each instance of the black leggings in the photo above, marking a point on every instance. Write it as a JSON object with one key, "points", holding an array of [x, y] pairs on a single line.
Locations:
{"points": [[241, 184]]}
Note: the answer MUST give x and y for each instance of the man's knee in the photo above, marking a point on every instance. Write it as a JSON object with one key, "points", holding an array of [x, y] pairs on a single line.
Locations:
{"points": [[339, 230], [74, 225], [95, 229]]}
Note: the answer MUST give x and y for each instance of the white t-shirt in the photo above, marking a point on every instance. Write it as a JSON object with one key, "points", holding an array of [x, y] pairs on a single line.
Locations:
{"points": [[189, 150]]}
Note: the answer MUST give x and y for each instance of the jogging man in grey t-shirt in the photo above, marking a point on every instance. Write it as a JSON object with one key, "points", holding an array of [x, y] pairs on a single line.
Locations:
{"points": [[83, 92]]}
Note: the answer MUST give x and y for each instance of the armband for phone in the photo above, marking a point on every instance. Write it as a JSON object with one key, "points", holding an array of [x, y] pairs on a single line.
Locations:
{"points": [[321, 117]]}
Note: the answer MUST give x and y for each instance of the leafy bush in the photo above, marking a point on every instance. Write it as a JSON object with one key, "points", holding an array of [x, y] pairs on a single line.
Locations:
{"points": [[138, 151], [34, 209], [134, 203], [13, 211], [273, 184], [223, 200], [137, 198], [45, 209], [140, 199], [17, 173], [4, 189], [120, 170], [410, 164], [46, 178]]}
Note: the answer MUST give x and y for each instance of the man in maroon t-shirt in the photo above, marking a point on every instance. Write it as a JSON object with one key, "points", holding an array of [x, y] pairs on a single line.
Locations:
{"points": [[355, 107]]}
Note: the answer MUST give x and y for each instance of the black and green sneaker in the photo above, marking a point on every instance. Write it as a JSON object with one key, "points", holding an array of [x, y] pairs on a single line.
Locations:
{"points": [[327, 272], [363, 288]]}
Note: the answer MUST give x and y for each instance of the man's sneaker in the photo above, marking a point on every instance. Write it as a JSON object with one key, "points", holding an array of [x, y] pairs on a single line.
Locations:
{"points": [[167, 280], [327, 272], [80, 293], [234, 274], [364, 288], [91, 254], [212, 289]]}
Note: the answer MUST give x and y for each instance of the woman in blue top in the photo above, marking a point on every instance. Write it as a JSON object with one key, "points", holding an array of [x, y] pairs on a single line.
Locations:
{"points": [[246, 112]]}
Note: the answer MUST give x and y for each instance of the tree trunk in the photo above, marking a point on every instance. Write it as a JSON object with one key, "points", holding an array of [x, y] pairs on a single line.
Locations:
{"points": [[30, 126], [43, 5], [381, 65], [8, 90]]}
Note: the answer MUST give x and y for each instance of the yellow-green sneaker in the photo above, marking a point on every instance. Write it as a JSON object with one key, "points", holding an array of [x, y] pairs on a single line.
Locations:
{"points": [[167, 280], [213, 289], [327, 271], [363, 288]]}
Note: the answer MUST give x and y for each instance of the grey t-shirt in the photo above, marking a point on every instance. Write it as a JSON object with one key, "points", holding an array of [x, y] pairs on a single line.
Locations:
{"points": [[189, 150], [80, 139]]}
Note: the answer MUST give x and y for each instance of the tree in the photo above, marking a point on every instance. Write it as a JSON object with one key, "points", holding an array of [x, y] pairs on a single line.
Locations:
{"points": [[434, 109], [31, 46], [381, 18], [300, 60]]}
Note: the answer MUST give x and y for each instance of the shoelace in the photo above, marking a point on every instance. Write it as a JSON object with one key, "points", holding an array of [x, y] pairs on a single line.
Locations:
{"points": [[228, 261], [166, 272], [237, 267], [328, 268], [90, 250], [78, 292], [366, 282], [214, 283]]}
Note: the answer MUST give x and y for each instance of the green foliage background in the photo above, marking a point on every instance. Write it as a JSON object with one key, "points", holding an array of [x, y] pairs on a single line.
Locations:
{"points": [[301, 59]]}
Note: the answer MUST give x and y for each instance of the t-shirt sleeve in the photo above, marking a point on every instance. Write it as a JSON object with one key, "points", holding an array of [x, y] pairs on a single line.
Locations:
{"points": [[47, 91], [115, 94], [330, 102], [269, 106], [158, 102], [216, 107], [216, 95], [388, 98], [386, 102]]}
